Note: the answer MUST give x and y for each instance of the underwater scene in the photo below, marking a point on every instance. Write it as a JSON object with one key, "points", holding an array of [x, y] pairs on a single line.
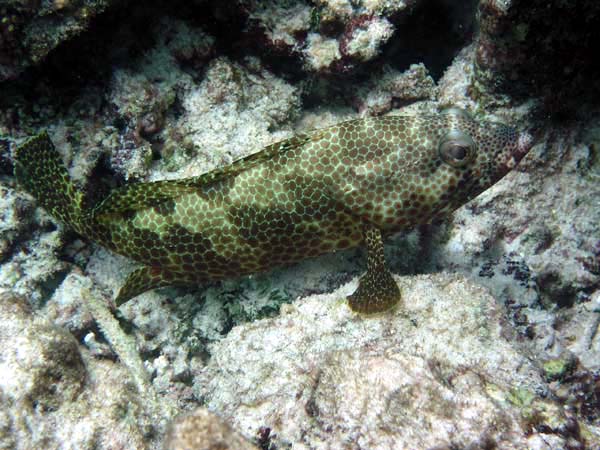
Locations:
{"points": [[299, 224]]}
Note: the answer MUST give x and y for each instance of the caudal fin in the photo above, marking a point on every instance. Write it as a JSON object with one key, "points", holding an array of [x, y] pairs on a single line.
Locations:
{"points": [[40, 170]]}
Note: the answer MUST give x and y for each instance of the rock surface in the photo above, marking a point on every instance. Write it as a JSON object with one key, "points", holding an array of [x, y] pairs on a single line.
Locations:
{"points": [[442, 371], [203, 430], [53, 394], [329, 36], [31, 30]]}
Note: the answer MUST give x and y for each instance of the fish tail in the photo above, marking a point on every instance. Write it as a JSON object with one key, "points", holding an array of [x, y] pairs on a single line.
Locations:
{"points": [[40, 170]]}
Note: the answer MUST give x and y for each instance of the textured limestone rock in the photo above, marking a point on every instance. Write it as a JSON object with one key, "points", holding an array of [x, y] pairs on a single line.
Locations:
{"points": [[393, 88], [230, 114], [15, 217], [30, 30], [202, 430], [328, 36], [437, 373], [54, 395]]}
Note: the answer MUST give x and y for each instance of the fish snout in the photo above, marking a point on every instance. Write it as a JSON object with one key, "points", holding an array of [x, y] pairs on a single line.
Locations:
{"points": [[516, 151], [524, 143]]}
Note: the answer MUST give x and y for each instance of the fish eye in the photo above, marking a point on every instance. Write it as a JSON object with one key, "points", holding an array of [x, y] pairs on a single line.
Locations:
{"points": [[457, 148]]}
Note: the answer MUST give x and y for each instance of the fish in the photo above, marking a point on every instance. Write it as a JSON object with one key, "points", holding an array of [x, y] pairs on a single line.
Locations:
{"points": [[344, 186]]}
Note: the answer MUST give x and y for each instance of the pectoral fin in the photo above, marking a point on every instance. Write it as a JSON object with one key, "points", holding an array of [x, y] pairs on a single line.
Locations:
{"points": [[377, 291]]}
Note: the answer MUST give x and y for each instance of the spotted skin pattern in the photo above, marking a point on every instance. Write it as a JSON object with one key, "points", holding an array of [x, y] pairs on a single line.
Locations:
{"points": [[315, 193]]}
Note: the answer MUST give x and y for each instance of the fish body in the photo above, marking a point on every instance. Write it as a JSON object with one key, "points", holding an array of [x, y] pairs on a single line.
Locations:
{"points": [[329, 190]]}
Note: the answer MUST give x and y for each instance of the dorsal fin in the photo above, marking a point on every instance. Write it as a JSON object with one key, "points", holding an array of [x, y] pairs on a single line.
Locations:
{"points": [[247, 162], [141, 195]]}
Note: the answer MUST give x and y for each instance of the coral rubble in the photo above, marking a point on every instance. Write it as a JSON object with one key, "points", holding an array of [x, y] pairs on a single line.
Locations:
{"points": [[31, 30], [54, 394], [203, 430]]}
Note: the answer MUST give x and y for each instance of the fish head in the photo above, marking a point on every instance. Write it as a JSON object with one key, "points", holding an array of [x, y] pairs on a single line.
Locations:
{"points": [[472, 155], [499, 149]]}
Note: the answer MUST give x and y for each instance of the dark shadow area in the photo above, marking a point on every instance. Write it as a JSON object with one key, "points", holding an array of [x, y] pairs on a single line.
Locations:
{"points": [[433, 34], [115, 37], [544, 49]]}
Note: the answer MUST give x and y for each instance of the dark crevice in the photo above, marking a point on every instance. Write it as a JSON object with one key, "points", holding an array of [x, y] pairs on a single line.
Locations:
{"points": [[114, 38], [433, 34], [544, 49], [6, 166], [104, 181], [50, 284]]}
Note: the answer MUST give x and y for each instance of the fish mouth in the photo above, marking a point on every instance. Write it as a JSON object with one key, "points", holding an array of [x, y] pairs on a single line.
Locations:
{"points": [[524, 144], [525, 141]]}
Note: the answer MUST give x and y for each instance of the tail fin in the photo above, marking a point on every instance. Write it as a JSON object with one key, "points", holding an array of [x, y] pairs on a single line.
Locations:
{"points": [[41, 171]]}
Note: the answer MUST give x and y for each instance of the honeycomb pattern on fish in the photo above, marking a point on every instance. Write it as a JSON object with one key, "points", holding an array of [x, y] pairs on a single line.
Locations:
{"points": [[311, 194]]}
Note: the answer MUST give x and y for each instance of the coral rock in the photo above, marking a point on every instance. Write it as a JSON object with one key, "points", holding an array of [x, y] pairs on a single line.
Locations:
{"points": [[53, 395], [30, 30], [202, 430], [437, 374]]}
